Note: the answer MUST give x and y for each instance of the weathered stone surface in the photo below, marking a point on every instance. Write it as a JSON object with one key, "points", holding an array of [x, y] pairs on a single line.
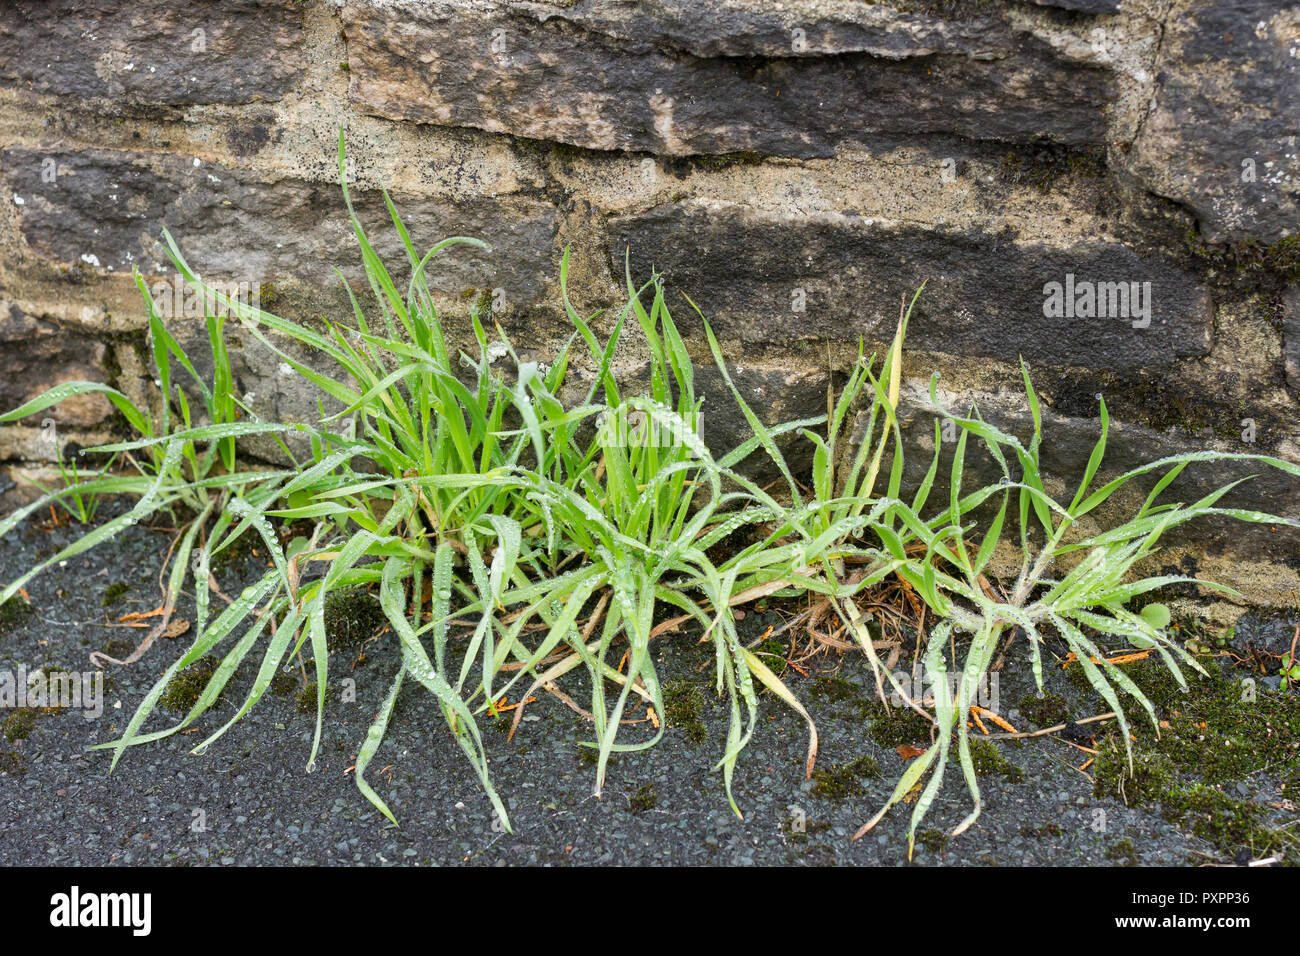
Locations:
{"points": [[152, 52], [688, 78], [966, 9], [985, 294], [36, 355], [1291, 337], [107, 209], [776, 394], [1083, 6], [1223, 135]]}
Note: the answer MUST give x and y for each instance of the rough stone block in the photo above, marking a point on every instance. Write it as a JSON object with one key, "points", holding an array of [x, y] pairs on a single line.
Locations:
{"points": [[764, 278], [152, 52], [689, 78]]}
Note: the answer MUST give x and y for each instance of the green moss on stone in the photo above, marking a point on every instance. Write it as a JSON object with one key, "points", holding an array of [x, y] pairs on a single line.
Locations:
{"points": [[844, 779], [12, 613], [644, 799], [684, 708], [988, 760], [351, 618], [113, 593], [19, 724], [182, 691], [1045, 711]]}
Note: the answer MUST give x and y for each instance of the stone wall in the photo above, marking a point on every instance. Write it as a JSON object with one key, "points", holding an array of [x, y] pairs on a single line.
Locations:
{"points": [[794, 167]]}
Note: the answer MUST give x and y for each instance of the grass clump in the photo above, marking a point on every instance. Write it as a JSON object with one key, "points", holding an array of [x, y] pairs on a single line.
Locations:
{"points": [[1086, 604], [511, 526]]}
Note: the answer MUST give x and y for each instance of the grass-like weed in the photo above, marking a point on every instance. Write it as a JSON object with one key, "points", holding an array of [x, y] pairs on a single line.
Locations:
{"points": [[506, 537]]}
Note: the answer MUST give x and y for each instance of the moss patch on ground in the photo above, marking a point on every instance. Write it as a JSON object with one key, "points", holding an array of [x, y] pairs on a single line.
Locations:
{"points": [[773, 652], [12, 763], [684, 708], [1046, 831], [833, 688], [1045, 711], [797, 828], [1224, 732], [1123, 853], [843, 698], [19, 724], [932, 839], [988, 760], [307, 698], [644, 799], [903, 726], [12, 613], [590, 757], [282, 684], [119, 649], [351, 618], [182, 691], [845, 778], [114, 593]]}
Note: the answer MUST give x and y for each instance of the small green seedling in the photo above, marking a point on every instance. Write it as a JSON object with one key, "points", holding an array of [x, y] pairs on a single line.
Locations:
{"points": [[81, 505], [1290, 670]]}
